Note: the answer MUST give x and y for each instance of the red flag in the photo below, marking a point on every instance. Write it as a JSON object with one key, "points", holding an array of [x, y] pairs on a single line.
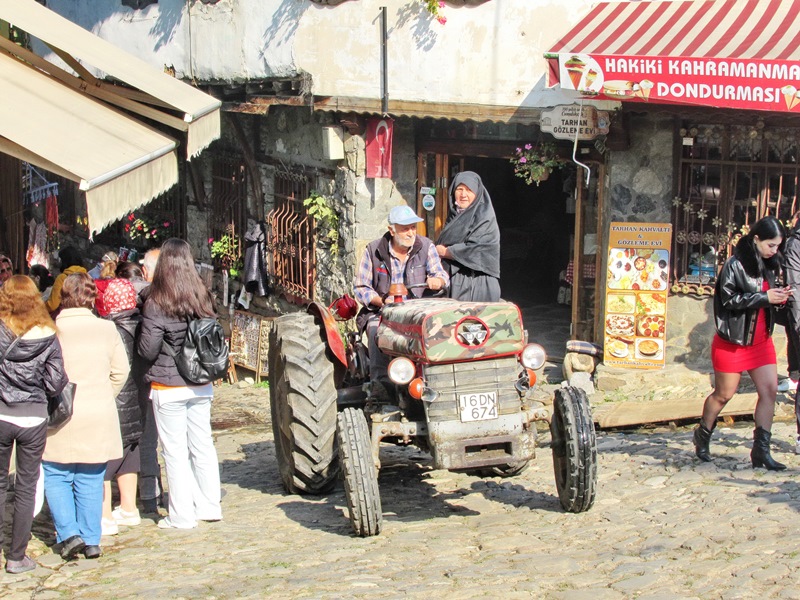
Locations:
{"points": [[379, 147]]}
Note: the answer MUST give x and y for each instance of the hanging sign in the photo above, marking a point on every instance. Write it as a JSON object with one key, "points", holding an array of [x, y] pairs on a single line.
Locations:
{"points": [[565, 121], [636, 295], [723, 82]]}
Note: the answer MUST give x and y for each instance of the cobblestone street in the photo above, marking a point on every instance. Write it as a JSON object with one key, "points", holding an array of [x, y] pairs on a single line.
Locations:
{"points": [[663, 526]]}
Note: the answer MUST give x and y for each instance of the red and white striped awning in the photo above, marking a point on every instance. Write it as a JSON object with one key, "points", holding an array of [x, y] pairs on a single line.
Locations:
{"points": [[726, 53]]}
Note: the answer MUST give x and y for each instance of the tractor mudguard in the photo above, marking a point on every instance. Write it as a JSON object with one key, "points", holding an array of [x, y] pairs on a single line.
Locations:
{"points": [[331, 332]]}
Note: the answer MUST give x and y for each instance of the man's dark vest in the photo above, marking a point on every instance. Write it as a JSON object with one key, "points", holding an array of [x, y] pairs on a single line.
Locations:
{"points": [[415, 271]]}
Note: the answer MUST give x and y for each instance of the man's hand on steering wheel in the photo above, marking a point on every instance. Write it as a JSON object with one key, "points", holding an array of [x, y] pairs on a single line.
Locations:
{"points": [[434, 283]]}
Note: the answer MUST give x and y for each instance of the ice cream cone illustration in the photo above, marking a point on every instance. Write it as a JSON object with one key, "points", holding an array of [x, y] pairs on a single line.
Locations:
{"points": [[645, 87], [790, 96], [591, 76], [575, 67]]}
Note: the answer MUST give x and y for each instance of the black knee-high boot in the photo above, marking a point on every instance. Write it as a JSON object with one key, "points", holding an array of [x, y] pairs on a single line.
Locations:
{"points": [[760, 455], [702, 438]]}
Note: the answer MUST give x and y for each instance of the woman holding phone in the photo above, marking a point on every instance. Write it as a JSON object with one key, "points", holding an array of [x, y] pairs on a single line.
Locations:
{"points": [[746, 291]]}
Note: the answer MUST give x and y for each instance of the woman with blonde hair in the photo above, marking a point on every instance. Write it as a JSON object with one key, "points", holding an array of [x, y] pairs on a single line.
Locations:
{"points": [[31, 369], [76, 454], [182, 409]]}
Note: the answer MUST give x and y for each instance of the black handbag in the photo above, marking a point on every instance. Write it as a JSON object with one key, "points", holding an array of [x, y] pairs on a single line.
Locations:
{"points": [[59, 408]]}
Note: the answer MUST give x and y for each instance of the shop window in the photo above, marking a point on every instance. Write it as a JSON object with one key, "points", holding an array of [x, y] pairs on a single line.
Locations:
{"points": [[730, 176], [292, 239]]}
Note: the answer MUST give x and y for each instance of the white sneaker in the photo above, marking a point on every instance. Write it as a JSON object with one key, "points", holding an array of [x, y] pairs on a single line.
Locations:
{"points": [[165, 523], [787, 385], [108, 527], [124, 517], [797, 445]]}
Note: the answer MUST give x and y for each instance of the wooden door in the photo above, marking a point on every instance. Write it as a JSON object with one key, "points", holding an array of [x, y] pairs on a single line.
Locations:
{"points": [[432, 179], [587, 256]]}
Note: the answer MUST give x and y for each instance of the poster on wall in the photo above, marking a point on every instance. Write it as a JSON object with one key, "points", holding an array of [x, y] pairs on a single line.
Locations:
{"points": [[636, 295]]}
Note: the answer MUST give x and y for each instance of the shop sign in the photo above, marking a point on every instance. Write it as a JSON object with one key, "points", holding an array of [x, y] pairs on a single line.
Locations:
{"points": [[424, 191], [636, 295], [428, 202], [565, 121], [722, 82]]}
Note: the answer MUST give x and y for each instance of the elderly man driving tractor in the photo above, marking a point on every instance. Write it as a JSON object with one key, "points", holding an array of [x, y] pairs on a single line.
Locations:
{"points": [[399, 256]]}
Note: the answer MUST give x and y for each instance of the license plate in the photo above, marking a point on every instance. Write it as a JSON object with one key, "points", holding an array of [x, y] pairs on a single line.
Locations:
{"points": [[478, 407]]}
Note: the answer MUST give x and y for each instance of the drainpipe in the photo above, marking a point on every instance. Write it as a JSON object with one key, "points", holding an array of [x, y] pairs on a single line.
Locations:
{"points": [[384, 64], [575, 149]]}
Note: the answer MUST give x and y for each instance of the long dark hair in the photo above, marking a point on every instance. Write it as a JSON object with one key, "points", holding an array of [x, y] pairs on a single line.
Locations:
{"points": [[177, 288], [767, 228]]}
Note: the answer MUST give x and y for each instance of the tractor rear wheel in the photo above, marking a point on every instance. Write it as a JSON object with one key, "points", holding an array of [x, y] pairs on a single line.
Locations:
{"points": [[574, 448], [303, 405], [360, 473]]}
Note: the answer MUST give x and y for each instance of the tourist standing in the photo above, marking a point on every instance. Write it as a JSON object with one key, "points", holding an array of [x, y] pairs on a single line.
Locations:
{"points": [[76, 454], [31, 370], [182, 409]]}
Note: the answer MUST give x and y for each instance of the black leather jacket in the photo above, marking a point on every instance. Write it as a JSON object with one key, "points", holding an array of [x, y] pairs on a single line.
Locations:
{"points": [[739, 297]]}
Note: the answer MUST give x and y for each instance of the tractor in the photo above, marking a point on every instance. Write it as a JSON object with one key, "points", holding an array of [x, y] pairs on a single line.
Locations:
{"points": [[460, 387]]}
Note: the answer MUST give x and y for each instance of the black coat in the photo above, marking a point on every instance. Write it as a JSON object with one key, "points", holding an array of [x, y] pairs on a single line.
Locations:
{"points": [[739, 296], [159, 329], [31, 371], [792, 256], [128, 409]]}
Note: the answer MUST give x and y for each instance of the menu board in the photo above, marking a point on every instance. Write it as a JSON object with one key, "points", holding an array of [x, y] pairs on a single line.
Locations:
{"points": [[637, 281]]}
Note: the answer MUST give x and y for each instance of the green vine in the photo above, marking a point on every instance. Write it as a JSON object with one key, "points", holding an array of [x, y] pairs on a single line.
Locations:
{"points": [[227, 249], [327, 220]]}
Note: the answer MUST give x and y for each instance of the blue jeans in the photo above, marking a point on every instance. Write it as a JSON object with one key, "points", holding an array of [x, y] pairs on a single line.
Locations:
{"points": [[74, 494]]}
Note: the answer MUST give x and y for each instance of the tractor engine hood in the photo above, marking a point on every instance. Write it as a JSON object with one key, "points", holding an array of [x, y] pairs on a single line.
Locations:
{"points": [[436, 330]]}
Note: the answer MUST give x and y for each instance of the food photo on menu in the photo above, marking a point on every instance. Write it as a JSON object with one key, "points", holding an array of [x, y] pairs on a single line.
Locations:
{"points": [[636, 304]]}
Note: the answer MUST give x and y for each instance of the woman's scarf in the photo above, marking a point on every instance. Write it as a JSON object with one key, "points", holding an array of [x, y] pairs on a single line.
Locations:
{"points": [[472, 235]]}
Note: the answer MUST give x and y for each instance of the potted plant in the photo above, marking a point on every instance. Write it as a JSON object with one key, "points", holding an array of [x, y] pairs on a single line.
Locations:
{"points": [[535, 162], [228, 251]]}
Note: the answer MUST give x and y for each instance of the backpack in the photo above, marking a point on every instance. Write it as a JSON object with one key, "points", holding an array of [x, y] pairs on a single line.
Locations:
{"points": [[203, 358]]}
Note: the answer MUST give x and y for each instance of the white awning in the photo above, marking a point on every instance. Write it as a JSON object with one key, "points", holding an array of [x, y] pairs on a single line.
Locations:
{"points": [[158, 93], [119, 162]]}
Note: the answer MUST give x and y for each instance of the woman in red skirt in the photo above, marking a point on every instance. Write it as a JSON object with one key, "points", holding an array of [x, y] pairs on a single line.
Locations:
{"points": [[745, 292]]}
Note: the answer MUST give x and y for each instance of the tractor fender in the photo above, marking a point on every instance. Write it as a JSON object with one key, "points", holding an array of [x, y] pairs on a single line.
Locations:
{"points": [[330, 330]]}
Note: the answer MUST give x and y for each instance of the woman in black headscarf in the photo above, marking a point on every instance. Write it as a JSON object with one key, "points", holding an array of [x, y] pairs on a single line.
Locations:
{"points": [[469, 244]]}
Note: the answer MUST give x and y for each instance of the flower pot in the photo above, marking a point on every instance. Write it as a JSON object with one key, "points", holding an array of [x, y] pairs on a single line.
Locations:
{"points": [[543, 176]]}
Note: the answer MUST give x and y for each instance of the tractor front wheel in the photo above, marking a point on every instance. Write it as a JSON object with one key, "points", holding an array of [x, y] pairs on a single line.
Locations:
{"points": [[574, 448], [360, 473]]}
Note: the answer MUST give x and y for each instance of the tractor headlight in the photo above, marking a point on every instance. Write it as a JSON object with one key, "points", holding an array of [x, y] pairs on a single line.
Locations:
{"points": [[402, 370], [533, 356]]}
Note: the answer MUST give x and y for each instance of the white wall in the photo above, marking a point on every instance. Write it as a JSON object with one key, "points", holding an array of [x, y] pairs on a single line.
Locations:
{"points": [[489, 54]]}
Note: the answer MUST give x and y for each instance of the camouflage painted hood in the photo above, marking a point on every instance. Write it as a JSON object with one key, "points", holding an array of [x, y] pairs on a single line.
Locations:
{"points": [[436, 330]]}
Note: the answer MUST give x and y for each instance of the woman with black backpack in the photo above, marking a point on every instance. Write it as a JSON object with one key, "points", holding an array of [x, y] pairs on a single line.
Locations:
{"points": [[182, 408]]}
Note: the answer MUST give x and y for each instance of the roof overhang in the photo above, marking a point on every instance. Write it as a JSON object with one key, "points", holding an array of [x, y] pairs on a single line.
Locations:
{"points": [[742, 54], [152, 93]]}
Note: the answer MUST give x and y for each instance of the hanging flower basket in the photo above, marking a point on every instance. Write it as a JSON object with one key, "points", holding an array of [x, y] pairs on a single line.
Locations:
{"points": [[535, 162]]}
